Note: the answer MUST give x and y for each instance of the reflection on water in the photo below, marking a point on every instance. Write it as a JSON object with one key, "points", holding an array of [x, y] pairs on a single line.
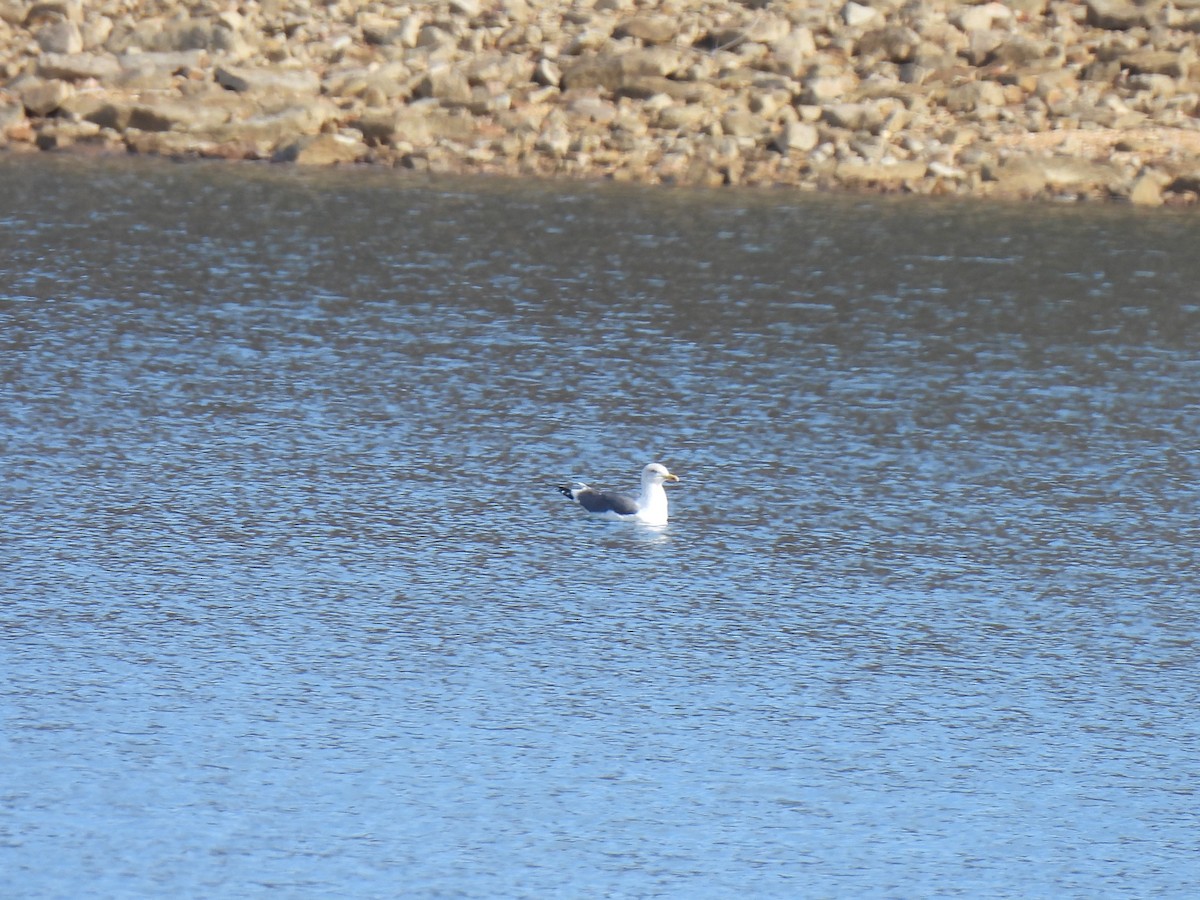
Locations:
{"points": [[292, 604]]}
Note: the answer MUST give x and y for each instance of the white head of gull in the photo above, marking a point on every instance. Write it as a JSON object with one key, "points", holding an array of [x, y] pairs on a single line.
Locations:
{"points": [[648, 507]]}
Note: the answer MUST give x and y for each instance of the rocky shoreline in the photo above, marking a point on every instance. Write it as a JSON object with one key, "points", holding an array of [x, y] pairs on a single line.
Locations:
{"points": [[1026, 99]]}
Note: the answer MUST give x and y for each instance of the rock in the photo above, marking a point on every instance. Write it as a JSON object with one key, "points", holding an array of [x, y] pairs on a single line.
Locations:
{"points": [[1115, 15], [60, 37], [1154, 86], [169, 143], [170, 60], [718, 39], [377, 85], [419, 125], [1018, 52], [854, 116], [54, 10], [855, 15], [647, 86], [499, 69], [649, 29], [270, 128], [446, 84], [554, 141], [56, 134], [267, 79], [547, 72], [770, 103], [588, 41], [973, 95], [1015, 177], [162, 114], [938, 169], [1186, 181], [78, 66], [611, 72], [321, 150], [1156, 62], [432, 38], [521, 10], [1057, 82], [103, 112], [84, 106], [768, 27], [41, 98], [1147, 190], [202, 34], [409, 31], [792, 52], [149, 78], [981, 44], [454, 126], [1028, 175], [913, 94], [884, 174], [894, 43], [12, 114], [799, 136], [980, 18], [95, 31], [682, 117], [591, 109], [824, 88], [383, 30], [743, 123], [386, 126]]}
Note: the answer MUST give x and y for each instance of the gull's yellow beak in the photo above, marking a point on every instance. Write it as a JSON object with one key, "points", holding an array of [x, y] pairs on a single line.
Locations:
{"points": [[670, 477]]}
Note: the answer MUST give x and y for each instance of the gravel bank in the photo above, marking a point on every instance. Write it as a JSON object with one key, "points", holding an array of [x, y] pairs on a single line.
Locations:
{"points": [[1026, 99]]}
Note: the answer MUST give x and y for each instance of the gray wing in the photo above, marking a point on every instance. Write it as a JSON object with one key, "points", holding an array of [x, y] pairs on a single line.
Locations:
{"points": [[607, 501]]}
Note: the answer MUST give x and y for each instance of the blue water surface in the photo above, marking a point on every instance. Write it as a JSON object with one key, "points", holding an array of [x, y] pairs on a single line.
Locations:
{"points": [[293, 608]]}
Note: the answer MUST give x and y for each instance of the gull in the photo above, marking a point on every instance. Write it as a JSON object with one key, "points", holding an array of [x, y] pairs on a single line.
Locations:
{"points": [[648, 507]]}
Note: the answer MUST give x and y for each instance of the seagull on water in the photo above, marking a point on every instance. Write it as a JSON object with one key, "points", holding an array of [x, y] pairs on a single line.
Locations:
{"points": [[649, 507]]}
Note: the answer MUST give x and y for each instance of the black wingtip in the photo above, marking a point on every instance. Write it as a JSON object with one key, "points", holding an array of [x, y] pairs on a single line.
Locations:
{"points": [[564, 490]]}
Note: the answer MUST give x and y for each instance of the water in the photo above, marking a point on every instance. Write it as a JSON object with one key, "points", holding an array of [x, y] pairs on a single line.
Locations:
{"points": [[292, 608]]}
